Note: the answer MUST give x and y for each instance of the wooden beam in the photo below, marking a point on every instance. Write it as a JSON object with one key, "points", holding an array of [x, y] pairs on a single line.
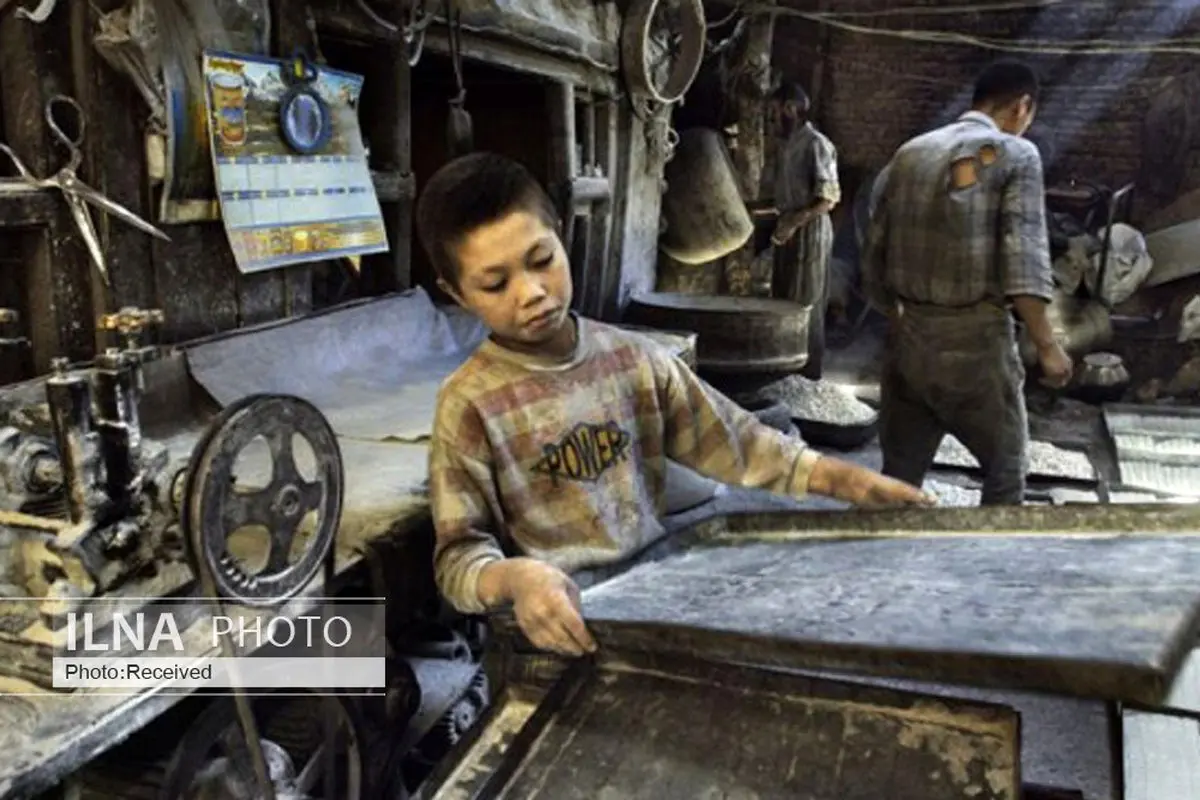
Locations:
{"points": [[290, 31], [401, 148], [607, 266], [113, 164], [28, 209], [58, 281], [389, 131]]}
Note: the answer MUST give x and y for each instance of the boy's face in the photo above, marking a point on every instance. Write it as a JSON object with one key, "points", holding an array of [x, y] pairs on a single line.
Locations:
{"points": [[513, 274]]}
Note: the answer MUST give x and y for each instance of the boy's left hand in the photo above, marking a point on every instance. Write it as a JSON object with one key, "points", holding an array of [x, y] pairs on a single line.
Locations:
{"points": [[863, 487], [880, 491]]}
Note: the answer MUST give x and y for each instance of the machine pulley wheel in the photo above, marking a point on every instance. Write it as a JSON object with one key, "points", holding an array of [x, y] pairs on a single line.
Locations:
{"points": [[215, 507], [658, 31]]}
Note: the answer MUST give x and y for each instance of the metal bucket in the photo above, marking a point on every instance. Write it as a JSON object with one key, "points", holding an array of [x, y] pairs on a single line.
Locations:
{"points": [[706, 217]]}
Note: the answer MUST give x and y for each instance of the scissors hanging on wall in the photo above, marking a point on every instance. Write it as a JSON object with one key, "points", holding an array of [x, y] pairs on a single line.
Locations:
{"points": [[77, 193]]}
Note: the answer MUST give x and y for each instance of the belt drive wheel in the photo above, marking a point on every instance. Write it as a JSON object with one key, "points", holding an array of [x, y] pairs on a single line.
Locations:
{"points": [[213, 507]]}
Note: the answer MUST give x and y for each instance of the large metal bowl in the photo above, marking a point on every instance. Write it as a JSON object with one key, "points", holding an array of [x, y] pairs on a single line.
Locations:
{"points": [[1101, 378]]}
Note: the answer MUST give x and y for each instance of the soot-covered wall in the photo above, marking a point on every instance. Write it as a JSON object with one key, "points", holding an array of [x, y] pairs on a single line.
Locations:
{"points": [[889, 70]]}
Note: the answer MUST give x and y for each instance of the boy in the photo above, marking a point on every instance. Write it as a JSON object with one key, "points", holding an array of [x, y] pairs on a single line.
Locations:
{"points": [[549, 444]]}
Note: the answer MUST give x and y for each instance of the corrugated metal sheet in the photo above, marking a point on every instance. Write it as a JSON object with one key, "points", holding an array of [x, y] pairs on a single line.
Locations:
{"points": [[1157, 448]]}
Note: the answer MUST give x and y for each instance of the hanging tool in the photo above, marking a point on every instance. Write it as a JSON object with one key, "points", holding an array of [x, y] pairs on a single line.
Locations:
{"points": [[77, 193], [39, 14], [460, 132]]}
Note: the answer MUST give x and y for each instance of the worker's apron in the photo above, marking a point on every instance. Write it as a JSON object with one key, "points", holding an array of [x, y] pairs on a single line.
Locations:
{"points": [[955, 371], [802, 275]]}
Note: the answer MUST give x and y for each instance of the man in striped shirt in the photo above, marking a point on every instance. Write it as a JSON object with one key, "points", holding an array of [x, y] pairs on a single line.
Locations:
{"points": [[549, 444], [958, 239]]}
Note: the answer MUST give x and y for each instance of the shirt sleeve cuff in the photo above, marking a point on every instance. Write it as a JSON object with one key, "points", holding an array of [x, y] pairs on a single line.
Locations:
{"points": [[805, 462], [829, 191], [463, 594], [1042, 290]]}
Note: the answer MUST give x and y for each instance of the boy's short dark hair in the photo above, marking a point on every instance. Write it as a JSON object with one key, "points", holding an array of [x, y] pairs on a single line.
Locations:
{"points": [[790, 91], [471, 191], [1004, 81]]}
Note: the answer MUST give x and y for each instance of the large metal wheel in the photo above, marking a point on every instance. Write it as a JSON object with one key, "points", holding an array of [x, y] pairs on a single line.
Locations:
{"points": [[662, 47], [212, 760], [299, 512]]}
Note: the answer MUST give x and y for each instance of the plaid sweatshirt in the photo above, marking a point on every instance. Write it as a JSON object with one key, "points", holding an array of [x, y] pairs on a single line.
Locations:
{"points": [[565, 461]]}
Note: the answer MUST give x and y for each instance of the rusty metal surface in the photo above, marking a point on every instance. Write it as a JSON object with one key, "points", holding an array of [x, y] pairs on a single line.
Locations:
{"points": [[1104, 605], [653, 728], [1157, 448]]}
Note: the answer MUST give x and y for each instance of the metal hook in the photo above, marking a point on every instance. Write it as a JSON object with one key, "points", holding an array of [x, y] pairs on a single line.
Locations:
{"points": [[454, 29], [39, 14]]}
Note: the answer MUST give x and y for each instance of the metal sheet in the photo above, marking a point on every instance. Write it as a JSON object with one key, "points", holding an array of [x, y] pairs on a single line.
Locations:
{"points": [[1157, 448], [373, 369], [646, 728], [1098, 615]]}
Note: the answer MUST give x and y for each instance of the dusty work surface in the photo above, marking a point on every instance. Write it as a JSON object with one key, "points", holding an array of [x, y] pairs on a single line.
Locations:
{"points": [[636, 727], [1079, 613], [373, 369]]}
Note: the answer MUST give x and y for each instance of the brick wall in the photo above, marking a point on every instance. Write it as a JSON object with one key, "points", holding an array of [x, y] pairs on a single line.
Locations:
{"points": [[875, 91]]}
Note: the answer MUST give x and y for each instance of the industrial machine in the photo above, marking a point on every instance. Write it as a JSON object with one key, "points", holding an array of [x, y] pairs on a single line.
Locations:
{"points": [[87, 508], [97, 516]]}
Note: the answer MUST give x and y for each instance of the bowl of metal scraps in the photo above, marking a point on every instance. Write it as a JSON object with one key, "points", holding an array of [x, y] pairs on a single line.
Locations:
{"points": [[826, 414]]}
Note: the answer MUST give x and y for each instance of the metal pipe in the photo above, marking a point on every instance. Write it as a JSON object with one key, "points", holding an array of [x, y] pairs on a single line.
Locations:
{"points": [[70, 399]]}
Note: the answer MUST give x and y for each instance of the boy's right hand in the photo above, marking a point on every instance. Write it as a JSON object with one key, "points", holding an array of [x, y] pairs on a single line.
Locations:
{"points": [[546, 604]]}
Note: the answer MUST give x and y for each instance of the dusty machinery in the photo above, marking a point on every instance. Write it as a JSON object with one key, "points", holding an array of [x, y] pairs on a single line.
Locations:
{"points": [[86, 506], [96, 516]]}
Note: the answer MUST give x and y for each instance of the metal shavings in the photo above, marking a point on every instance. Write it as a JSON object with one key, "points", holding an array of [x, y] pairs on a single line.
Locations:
{"points": [[820, 401], [1045, 460], [949, 495]]}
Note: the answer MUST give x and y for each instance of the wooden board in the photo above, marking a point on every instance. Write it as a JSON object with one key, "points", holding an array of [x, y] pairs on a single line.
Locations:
{"points": [[1162, 757], [1104, 617], [663, 729]]}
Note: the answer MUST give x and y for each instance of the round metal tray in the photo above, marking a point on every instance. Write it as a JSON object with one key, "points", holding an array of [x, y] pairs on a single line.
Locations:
{"points": [[734, 334]]}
